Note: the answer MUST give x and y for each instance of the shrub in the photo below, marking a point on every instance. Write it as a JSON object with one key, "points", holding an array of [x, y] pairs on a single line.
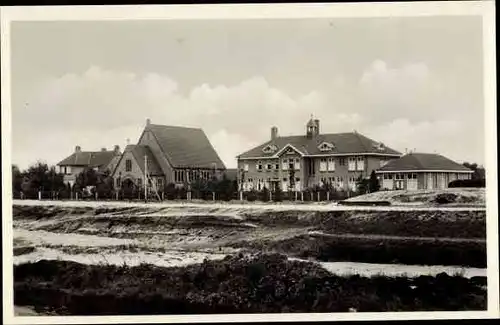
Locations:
{"points": [[468, 183], [444, 198]]}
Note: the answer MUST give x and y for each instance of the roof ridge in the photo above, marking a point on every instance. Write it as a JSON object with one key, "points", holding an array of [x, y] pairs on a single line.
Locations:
{"points": [[175, 126]]}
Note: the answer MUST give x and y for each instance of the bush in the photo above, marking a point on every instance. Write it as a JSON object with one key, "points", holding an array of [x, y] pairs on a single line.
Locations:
{"points": [[260, 284], [467, 183], [444, 198]]}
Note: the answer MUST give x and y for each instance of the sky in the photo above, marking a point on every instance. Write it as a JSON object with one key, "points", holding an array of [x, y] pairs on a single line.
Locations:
{"points": [[413, 83]]}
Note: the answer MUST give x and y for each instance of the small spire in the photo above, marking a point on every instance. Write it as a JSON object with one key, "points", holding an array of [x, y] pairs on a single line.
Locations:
{"points": [[128, 141]]}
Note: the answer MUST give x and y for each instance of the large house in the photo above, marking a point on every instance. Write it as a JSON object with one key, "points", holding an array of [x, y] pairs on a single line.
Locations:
{"points": [[416, 171], [101, 161], [312, 159], [168, 154]]}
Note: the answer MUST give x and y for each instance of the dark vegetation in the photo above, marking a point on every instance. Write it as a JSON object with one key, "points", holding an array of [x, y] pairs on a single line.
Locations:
{"points": [[391, 250], [467, 183], [261, 284], [23, 250]]}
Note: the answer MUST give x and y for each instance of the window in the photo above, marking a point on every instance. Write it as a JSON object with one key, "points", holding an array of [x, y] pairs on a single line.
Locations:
{"points": [[139, 182], [285, 179], [297, 163], [360, 163], [412, 176], [128, 165], [159, 183], [331, 164], [277, 166], [399, 176], [351, 163], [118, 182], [269, 167], [322, 165], [245, 167], [259, 166], [284, 164], [342, 161]]}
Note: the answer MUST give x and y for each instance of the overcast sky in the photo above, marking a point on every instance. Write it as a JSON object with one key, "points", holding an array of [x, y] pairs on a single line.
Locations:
{"points": [[408, 82]]}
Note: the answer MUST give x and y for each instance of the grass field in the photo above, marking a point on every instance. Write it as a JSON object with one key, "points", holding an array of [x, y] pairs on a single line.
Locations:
{"points": [[179, 241], [265, 283]]}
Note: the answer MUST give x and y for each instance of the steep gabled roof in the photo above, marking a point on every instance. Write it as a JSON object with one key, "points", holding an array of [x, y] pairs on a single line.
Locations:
{"points": [[186, 147], [91, 159], [139, 152], [423, 162], [344, 143]]}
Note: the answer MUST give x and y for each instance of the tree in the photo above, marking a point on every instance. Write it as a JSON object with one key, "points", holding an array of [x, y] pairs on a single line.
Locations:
{"points": [[41, 177], [17, 180], [105, 185], [479, 171], [362, 185], [373, 183], [278, 193], [265, 194]]}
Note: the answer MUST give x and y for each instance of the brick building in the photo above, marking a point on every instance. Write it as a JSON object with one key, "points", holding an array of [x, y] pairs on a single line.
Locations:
{"points": [[416, 171], [168, 154], [102, 161], [312, 159]]}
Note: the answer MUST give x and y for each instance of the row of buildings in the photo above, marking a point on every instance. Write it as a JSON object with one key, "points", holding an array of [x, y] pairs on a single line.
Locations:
{"points": [[180, 155]]}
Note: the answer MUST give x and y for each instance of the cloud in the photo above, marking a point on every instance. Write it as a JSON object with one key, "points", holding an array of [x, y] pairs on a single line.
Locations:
{"points": [[401, 106], [100, 108], [445, 137]]}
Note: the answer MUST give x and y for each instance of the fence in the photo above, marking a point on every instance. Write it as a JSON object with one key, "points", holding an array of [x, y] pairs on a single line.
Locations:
{"points": [[182, 194]]}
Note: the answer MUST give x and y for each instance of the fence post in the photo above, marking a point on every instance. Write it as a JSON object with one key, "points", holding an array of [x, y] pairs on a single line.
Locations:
{"points": [[318, 195], [270, 196], [213, 196], [96, 195], [312, 198], [328, 196], [296, 194], [76, 196], [302, 196], [163, 196], [241, 195], [117, 195], [39, 195]]}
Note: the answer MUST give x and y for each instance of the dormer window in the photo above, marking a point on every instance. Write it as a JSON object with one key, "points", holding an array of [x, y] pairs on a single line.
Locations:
{"points": [[326, 146], [270, 148], [379, 146]]}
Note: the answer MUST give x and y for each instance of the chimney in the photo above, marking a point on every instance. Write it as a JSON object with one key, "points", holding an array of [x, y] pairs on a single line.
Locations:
{"points": [[78, 149], [274, 133], [406, 151], [148, 122], [103, 149], [116, 149]]}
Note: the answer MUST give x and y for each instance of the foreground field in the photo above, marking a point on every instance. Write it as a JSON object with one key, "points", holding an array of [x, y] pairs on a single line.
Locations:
{"points": [[390, 247], [264, 284]]}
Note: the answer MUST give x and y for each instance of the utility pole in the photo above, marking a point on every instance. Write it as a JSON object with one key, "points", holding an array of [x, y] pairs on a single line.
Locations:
{"points": [[145, 178]]}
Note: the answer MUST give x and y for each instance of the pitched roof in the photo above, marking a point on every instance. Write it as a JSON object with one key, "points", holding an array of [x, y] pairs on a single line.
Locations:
{"points": [[186, 147], [139, 152], [344, 143], [422, 162], [90, 159]]}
